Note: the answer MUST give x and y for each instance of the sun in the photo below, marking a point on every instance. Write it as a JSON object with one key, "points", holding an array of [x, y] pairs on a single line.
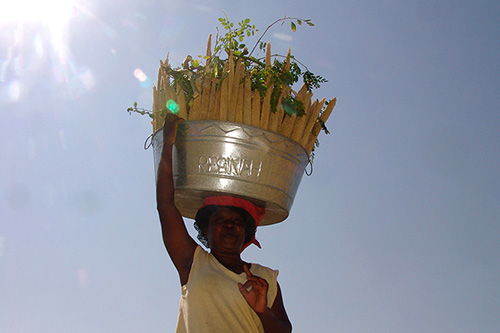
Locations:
{"points": [[37, 35], [54, 13]]}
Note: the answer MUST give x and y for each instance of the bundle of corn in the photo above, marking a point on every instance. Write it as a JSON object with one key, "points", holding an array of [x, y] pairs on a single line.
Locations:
{"points": [[231, 97]]}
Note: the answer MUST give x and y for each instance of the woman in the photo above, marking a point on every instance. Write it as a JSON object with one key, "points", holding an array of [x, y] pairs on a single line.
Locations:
{"points": [[220, 292]]}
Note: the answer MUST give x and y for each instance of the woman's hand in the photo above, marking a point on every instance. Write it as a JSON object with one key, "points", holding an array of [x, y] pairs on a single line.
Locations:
{"points": [[273, 320], [170, 128], [255, 291]]}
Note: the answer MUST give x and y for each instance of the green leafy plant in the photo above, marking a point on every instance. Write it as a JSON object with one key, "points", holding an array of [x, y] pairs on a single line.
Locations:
{"points": [[138, 110], [233, 43], [280, 72]]}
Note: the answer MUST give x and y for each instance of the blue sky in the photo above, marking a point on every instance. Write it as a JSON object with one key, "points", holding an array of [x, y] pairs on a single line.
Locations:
{"points": [[397, 229]]}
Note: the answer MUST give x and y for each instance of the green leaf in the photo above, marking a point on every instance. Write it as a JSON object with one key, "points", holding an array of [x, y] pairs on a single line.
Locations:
{"points": [[294, 27], [299, 22]]}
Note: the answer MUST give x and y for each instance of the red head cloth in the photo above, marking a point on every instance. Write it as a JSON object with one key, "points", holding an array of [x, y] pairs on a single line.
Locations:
{"points": [[255, 211]]}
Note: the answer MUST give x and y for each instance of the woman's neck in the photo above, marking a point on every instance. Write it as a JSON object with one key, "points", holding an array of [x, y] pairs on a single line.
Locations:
{"points": [[232, 262]]}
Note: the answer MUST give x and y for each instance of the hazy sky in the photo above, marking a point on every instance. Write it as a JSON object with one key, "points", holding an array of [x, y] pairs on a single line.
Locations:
{"points": [[397, 229]]}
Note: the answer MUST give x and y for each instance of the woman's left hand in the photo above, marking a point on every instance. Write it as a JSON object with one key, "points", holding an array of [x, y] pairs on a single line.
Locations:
{"points": [[255, 291]]}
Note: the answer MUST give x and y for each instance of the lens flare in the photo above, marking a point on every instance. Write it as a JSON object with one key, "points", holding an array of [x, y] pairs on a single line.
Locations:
{"points": [[144, 80], [140, 75], [172, 106]]}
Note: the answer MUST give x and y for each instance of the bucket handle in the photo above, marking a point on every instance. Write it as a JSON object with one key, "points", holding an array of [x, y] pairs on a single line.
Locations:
{"points": [[150, 139], [309, 162]]}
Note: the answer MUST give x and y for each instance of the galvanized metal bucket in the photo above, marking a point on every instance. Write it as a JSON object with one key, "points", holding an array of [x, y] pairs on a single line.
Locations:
{"points": [[225, 158]]}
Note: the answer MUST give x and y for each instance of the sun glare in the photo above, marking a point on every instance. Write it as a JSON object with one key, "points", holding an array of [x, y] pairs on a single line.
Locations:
{"points": [[50, 12], [37, 35]]}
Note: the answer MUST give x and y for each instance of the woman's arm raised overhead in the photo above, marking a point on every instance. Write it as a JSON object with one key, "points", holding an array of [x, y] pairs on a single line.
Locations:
{"points": [[179, 244]]}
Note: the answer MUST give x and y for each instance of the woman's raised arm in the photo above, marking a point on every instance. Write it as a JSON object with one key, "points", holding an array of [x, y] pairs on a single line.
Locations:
{"points": [[179, 244]]}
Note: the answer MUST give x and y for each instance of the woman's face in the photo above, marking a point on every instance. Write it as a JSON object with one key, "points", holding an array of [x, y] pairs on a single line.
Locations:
{"points": [[226, 230]]}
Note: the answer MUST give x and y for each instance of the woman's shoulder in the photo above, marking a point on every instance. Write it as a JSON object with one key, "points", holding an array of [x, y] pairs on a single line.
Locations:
{"points": [[200, 252], [264, 271]]}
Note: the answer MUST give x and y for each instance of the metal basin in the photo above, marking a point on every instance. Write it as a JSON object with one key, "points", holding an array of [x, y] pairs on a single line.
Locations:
{"points": [[224, 158]]}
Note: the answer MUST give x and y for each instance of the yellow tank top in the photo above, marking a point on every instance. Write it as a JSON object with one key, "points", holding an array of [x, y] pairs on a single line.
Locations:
{"points": [[211, 300]]}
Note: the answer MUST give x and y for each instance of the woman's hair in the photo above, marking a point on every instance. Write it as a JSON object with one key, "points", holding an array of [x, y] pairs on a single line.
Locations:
{"points": [[204, 213]]}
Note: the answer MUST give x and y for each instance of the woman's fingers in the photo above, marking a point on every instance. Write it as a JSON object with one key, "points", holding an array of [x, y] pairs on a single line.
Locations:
{"points": [[254, 281], [247, 271], [254, 290], [170, 128], [245, 288]]}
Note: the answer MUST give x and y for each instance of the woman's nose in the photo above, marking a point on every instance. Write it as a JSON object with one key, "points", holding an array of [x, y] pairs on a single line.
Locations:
{"points": [[229, 223]]}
